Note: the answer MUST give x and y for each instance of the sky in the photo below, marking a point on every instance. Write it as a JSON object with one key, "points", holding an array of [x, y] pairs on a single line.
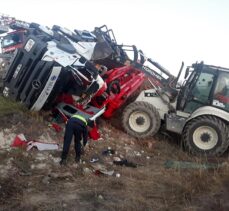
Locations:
{"points": [[168, 31]]}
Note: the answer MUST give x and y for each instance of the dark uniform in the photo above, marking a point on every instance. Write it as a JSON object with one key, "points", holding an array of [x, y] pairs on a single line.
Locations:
{"points": [[77, 126]]}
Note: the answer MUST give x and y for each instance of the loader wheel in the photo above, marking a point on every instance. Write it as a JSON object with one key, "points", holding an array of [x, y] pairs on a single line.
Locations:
{"points": [[206, 135], [141, 119]]}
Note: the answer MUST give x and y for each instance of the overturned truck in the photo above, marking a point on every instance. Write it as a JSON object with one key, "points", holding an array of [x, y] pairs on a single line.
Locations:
{"points": [[87, 67]]}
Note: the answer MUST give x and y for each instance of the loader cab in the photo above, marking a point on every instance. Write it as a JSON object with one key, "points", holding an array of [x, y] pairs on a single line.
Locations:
{"points": [[206, 86]]}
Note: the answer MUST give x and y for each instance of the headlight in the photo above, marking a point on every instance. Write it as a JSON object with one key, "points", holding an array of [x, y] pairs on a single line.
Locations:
{"points": [[6, 92], [28, 46]]}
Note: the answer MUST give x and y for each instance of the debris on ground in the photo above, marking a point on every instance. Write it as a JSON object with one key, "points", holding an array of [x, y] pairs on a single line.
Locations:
{"points": [[100, 169], [118, 175], [22, 142], [94, 160], [108, 152], [126, 163], [19, 141], [41, 146], [38, 175], [67, 80]]}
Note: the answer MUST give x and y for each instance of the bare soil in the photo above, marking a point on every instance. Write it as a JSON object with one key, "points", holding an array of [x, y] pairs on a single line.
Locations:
{"points": [[34, 180]]}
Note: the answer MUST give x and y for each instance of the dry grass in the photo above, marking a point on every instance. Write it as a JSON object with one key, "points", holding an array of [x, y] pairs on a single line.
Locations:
{"points": [[9, 107], [11, 192], [150, 186]]}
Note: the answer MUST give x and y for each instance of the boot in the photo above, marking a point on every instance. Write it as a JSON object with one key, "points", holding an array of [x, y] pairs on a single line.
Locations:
{"points": [[78, 160], [63, 162]]}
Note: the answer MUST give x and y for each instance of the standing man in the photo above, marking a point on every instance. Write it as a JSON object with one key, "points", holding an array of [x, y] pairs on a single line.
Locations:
{"points": [[77, 126]]}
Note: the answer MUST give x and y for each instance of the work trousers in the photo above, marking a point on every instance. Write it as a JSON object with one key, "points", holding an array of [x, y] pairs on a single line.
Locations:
{"points": [[76, 128]]}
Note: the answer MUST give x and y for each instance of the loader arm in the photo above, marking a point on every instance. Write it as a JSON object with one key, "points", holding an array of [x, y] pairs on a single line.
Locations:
{"points": [[148, 66]]}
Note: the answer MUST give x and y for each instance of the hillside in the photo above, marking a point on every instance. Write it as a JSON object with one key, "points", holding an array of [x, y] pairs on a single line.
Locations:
{"points": [[34, 180]]}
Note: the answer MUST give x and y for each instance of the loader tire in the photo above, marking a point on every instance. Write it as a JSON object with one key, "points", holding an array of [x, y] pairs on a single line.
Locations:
{"points": [[141, 119], [206, 135]]}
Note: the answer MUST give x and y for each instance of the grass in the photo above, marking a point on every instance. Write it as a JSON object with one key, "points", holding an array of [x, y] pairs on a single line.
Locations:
{"points": [[148, 187], [10, 189], [8, 106]]}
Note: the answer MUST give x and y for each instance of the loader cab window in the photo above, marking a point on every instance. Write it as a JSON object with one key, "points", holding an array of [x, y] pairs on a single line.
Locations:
{"points": [[199, 94], [221, 94]]}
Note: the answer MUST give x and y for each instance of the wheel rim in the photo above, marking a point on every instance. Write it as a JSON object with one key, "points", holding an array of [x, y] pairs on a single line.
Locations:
{"points": [[139, 121], [205, 137]]}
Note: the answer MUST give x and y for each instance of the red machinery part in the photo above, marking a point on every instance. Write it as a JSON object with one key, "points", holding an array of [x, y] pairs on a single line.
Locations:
{"points": [[128, 79], [120, 84], [94, 133], [65, 99], [116, 101]]}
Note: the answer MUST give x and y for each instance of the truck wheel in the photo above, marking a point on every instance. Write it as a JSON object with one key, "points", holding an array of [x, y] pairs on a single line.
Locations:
{"points": [[141, 119], [206, 135]]}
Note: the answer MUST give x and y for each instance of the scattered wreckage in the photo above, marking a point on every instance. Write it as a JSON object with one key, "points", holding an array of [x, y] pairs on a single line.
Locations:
{"points": [[89, 73], [72, 71], [80, 71]]}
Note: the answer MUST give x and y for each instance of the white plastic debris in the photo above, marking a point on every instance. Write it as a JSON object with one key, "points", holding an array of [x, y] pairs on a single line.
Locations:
{"points": [[41, 146], [117, 159], [118, 175], [94, 160], [87, 171], [100, 197], [138, 154]]}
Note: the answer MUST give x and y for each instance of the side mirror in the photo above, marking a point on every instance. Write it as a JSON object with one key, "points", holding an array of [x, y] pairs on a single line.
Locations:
{"points": [[186, 73]]}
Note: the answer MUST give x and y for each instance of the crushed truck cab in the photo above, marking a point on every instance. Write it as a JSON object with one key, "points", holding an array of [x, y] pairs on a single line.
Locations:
{"points": [[47, 65]]}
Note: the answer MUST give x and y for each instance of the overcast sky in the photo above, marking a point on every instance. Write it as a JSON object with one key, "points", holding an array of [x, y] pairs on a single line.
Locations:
{"points": [[168, 31]]}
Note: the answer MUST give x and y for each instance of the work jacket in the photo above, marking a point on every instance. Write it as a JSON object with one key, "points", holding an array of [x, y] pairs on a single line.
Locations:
{"points": [[82, 123], [77, 116]]}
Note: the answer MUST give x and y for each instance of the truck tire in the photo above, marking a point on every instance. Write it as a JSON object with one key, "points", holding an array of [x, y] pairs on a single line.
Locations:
{"points": [[206, 135], [141, 119]]}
